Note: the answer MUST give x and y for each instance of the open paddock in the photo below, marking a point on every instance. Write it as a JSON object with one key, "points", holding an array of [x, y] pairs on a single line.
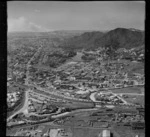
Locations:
{"points": [[137, 90], [135, 99]]}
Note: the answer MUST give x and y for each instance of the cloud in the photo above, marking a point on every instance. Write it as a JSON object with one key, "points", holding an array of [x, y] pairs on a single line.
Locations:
{"points": [[22, 24]]}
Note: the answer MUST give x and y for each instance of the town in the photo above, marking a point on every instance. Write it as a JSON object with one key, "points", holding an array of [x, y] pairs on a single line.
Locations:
{"points": [[61, 95], [75, 69]]}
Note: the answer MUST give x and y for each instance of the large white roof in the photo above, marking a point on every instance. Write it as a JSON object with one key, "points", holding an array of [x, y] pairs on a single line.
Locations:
{"points": [[106, 133]]}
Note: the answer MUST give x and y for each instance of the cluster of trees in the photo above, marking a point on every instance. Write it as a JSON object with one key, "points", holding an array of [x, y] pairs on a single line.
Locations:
{"points": [[111, 49], [57, 58], [55, 61]]}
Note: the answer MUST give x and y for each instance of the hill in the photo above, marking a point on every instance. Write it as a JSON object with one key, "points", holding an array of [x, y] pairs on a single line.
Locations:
{"points": [[79, 39], [84, 41], [62, 34], [117, 38], [123, 38]]}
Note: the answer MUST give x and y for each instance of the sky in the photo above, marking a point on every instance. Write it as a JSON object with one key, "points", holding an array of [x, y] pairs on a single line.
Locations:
{"points": [[39, 16]]}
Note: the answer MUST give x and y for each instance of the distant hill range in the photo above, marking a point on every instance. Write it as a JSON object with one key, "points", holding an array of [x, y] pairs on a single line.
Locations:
{"points": [[52, 34], [82, 39], [117, 38]]}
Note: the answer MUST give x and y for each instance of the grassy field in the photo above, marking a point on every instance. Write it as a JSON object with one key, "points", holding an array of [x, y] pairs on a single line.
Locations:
{"points": [[134, 67], [74, 105], [135, 99], [138, 90], [79, 105], [126, 132], [76, 132]]}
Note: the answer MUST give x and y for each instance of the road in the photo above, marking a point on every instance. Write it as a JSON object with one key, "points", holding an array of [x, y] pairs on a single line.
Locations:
{"points": [[29, 64], [134, 94], [59, 115], [25, 106]]}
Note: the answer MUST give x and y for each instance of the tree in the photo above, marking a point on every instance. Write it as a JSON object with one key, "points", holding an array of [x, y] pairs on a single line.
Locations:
{"points": [[111, 48], [72, 54]]}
